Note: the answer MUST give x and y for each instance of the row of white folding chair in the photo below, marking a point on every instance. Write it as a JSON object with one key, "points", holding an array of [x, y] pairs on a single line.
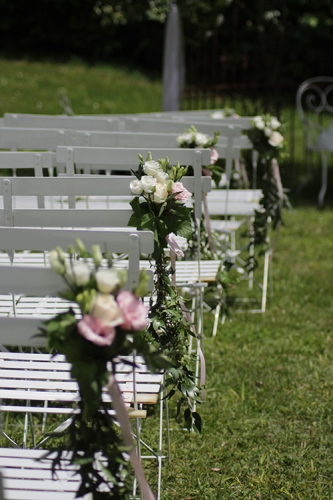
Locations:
{"points": [[44, 138], [230, 132], [38, 185], [26, 213], [105, 158], [133, 123], [205, 115]]}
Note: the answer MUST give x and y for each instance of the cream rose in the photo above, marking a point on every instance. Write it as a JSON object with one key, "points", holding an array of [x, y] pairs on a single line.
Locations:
{"points": [[148, 183], [276, 139], [152, 167], [106, 309], [107, 280], [136, 186], [160, 193]]}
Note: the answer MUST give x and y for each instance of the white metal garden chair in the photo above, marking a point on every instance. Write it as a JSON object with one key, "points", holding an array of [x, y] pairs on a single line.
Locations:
{"points": [[314, 101]]}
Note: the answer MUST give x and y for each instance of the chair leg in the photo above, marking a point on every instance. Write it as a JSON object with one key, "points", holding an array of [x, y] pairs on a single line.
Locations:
{"points": [[323, 189]]}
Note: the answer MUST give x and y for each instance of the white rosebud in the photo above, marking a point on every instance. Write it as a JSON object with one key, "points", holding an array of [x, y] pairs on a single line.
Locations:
{"points": [[151, 167], [276, 139], [136, 186], [96, 255], [107, 280], [78, 272], [148, 183], [160, 193], [275, 124], [55, 263]]}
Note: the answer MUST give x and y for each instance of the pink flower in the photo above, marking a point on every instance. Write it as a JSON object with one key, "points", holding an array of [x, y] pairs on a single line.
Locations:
{"points": [[214, 156], [183, 194], [134, 311], [93, 330]]}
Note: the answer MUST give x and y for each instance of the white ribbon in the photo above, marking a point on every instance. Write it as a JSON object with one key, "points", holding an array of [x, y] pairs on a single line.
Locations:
{"points": [[277, 177], [174, 245], [201, 355], [122, 416]]}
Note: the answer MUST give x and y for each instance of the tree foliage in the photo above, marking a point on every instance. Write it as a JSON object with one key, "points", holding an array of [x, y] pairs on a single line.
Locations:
{"points": [[270, 41]]}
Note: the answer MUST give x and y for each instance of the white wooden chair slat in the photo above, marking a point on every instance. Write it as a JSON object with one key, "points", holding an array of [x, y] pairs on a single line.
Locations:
{"points": [[49, 139], [62, 122], [39, 239]]}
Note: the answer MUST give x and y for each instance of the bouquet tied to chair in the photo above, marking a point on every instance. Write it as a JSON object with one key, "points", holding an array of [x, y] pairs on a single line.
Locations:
{"points": [[109, 322], [160, 206]]}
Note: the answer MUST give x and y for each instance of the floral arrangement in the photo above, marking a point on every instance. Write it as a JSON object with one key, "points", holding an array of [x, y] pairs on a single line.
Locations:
{"points": [[191, 138], [108, 322], [223, 113], [160, 206], [163, 209], [266, 136]]}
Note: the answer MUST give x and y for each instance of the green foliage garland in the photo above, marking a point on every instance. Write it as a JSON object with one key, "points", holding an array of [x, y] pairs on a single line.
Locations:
{"points": [[168, 323]]}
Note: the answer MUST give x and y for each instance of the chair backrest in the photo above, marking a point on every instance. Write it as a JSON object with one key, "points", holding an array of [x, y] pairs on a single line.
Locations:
{"points": [[42, 281], [314, 101], [207, 116], [29, 161], [118, 240], [61, 122], [125, 159], [34, 139], [243, 202], [145, 124]]}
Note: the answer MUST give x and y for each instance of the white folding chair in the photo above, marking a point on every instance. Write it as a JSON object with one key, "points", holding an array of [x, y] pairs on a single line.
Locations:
{"points": [[35, 377]]}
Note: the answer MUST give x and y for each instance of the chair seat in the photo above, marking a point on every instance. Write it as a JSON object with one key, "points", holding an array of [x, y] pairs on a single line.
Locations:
{"points": [[26, 478]]}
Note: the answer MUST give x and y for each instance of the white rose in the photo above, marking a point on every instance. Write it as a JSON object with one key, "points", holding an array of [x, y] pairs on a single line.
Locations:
{"points": [[136, 186], [267, 131], [78, 272], [106, 309], [161, 193], [276, 139], [201, 139], [107, 280], [275, 124], [148, 183], [187, 137], [259, 122], [151, 167], [162, 177]]}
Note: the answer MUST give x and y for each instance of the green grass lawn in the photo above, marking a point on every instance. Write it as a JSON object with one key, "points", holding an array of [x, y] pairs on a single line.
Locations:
{"points": [[267, 419], [35, 87]]}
